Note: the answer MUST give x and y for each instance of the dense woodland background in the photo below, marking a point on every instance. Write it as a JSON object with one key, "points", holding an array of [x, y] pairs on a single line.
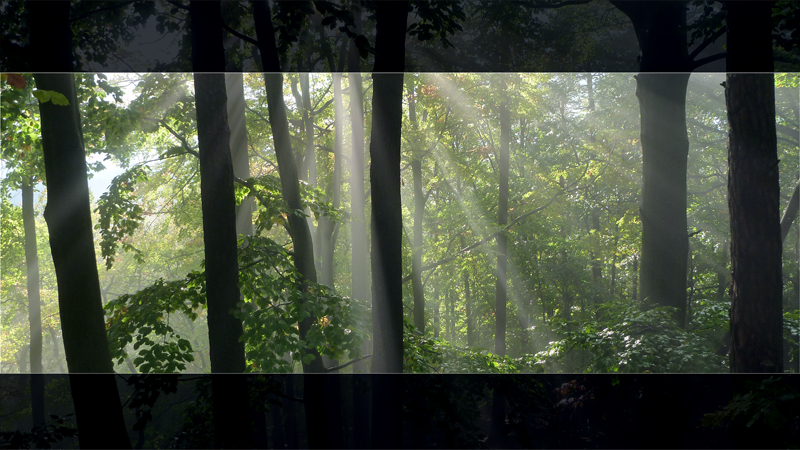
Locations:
{"points": [[376, 219]]}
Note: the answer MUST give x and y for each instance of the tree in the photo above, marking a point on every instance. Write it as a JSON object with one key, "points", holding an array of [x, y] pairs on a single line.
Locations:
{"points": [[756, 320], [97, 405], [387, 288], [230, 399], [314, 387], [660, 28], [34, 306], [419, 212]]}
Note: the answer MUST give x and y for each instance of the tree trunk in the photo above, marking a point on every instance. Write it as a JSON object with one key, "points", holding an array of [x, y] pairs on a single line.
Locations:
{"points": [[34, 307], [660, 28], [468, 303], [502, 220], [98, 410], [310, 161], [314, 388], [387, 261], [753, 193], [436, 317], [360, 265], [240, 158], [419, 211], [230, 400], [327, 244]]}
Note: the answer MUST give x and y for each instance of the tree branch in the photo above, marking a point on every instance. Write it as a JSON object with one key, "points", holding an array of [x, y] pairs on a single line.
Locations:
{"points": [[708, 42], [347, 364], [708, 59], [240, 35]]}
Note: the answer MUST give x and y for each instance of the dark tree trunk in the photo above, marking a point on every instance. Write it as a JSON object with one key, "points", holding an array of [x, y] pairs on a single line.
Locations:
{"points": [[98, 410], [660, 28], [230, 401], [314, 386], [290, 409], [34, 307], [387, 263], [385, 184], [753, 193]]}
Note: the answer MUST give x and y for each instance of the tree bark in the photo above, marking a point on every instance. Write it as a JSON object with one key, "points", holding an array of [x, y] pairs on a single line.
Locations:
{"points": [[753, 193], [240, 158], [310, 163], [34, 306], [230, 405], [419, 211], [98, 410], [360, 265], [660, 28], [387, 288], [314, 386]]}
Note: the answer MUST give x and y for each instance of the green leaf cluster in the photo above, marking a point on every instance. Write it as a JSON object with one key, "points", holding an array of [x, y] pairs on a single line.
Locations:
{"points": [[120, 214], [143, 319]]}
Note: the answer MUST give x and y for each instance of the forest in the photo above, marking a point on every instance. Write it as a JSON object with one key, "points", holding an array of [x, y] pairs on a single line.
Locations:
{"points": [[299, 193]]}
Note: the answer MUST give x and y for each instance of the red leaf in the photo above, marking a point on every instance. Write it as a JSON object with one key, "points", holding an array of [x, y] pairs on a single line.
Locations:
{"points": [[17, 80]]}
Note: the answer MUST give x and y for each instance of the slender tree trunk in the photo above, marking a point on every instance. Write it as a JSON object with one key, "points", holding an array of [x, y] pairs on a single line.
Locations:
{"points": [[468, 303], [310, 162], [240, 158], [502, 220], [419, 211], [98, 410], [230, 401], [498, 430], [360, 262], [327, 244], [436, 316], [314, 387], [387, 263], [34, 307], [753, 193]]}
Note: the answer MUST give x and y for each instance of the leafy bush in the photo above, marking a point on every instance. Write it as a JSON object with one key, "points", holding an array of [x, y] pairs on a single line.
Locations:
{"points": [[628, 338]]}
